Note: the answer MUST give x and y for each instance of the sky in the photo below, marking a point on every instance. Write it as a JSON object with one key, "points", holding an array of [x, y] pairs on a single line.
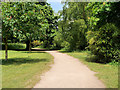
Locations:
{"points": [[55, 4]]}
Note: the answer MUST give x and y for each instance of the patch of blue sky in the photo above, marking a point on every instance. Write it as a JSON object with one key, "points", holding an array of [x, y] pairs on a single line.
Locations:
{"points": [[56, 5]]}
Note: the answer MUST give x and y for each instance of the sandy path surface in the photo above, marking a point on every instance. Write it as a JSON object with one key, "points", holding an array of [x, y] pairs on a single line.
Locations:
{"points": [[68, 72]]}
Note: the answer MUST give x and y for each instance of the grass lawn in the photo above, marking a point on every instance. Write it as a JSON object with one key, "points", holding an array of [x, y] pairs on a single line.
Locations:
{"points": [[23, 69], [108, 74]]}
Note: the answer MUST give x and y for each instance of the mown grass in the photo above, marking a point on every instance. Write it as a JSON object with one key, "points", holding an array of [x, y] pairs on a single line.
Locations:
{"points": [[23, 69], [108, 74]]}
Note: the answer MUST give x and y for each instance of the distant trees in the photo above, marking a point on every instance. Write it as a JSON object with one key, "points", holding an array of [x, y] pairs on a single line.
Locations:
{"points": [[49, 31], [73, 26]]}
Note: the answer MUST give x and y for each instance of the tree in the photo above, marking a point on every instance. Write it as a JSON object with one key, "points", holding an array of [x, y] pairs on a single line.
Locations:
{"points": [[102, 13], [103, 34], [74, 25], [25, 20], [31, 20], [49, 32], [36, 21], [7, 23]]}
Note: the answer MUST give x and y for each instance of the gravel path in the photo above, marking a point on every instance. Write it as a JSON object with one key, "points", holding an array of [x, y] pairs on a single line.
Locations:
{"points": [[68, 72]]}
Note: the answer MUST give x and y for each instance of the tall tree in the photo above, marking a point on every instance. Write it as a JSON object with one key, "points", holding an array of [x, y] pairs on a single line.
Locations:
{"points": [[26, 20], [7, 23], [74, 25], [49, 32], [31, 20], [103, 35], [36, 21]]}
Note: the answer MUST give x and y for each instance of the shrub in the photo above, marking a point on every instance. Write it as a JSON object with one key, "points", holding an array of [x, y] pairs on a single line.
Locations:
{"points": [[57, 41], [66, 46], [114, 63], [12, 46], [36, 43], [105, 43]]}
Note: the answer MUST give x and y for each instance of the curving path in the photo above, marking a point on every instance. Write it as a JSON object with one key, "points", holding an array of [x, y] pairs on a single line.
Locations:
{"points": [[68, 72]]}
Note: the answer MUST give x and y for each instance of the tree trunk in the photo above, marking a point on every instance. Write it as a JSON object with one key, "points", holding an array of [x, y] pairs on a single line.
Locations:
{"points": [[27, 45], [30, 46], [6, 52]]}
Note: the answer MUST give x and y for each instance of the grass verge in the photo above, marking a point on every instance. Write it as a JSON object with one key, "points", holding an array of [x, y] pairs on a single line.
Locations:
{"points": [[108, 74], [23, 69]]}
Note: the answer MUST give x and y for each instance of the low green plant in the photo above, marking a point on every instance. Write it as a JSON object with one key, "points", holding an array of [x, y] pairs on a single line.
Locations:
{"points": [[36, 43], [114, 63]]}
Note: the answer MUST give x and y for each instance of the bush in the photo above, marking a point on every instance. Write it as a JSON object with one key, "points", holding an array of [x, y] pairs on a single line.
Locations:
{"points": [[114, 63], [12, 46], [36, 43], [66, 46], [57, 41], [105, 43]]}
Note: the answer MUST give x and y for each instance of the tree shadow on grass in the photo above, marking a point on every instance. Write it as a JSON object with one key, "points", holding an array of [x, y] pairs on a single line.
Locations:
{"points": [[33, 52], [28, 50], [94, 59], [38, 49], [35, 49], [19, 61]]}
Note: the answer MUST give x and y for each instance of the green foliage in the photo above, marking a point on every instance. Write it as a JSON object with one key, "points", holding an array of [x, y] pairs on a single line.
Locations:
{"points": [[103, 35], [7, 19], [72, 26], [114, 63], [58, 40], [31, 21], [36, 43], [104, 43], [74, 34], [13, 46], [66, 46], [99, 12], [103, 12], [28, 21]]}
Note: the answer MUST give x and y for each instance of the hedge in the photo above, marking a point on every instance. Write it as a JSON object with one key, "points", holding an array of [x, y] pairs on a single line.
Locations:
{"points": [[12, 46]]}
